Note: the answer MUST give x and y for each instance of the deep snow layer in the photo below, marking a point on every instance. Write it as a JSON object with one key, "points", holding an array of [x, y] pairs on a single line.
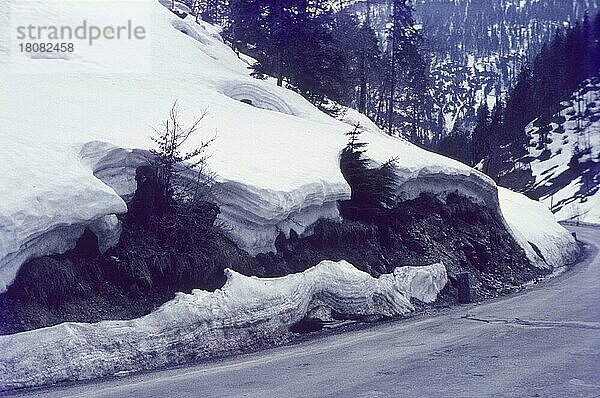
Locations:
{"points": [[65, 119], [47, 196], [246, 312]]}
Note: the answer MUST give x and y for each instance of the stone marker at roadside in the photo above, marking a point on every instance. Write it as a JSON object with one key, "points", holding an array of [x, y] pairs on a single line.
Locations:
{"points": [[464, 288]]}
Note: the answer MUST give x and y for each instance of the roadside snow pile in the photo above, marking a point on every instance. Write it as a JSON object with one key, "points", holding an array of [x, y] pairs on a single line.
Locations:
{"points": [[567, 168], [276, 156], [246, 312], [539, 238]]}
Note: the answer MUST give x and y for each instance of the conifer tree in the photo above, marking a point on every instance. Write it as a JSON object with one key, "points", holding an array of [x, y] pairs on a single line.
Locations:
{"points": [[595, 53], [481, 133], [295, 41], [494, 140], [520, 109], [373, 188], [408, 102]]}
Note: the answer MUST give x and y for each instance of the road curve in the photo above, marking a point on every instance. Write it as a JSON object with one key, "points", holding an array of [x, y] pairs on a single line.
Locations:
{"points": [[544, 342]]}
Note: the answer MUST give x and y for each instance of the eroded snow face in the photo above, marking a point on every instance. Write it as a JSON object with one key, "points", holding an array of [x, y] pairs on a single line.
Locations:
{"points": [[47, 197], [246, 312], [276, 156]]}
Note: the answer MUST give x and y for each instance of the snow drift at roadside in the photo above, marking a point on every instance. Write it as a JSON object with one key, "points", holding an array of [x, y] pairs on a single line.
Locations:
{"points": [[246, 312]]}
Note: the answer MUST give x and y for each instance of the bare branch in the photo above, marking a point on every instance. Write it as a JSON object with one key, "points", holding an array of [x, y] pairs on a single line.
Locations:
{"points": [[184, 175]]}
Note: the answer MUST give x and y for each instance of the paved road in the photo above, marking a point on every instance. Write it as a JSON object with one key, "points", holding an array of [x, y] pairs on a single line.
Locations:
{"points": [[544, 342]]}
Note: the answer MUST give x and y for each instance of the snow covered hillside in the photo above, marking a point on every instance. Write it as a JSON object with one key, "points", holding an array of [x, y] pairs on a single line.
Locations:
{"points": [[479, 46], [70, 124], [565, 161]]}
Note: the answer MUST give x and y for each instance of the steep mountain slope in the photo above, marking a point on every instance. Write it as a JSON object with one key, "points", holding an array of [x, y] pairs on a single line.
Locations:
{"points": [[564, 159], [478, 47]]}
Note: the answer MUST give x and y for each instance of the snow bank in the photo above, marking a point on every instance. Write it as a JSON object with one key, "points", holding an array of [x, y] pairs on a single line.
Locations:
{"points": [[546, 242], [246, 312], [47, 198], [68, 126]]}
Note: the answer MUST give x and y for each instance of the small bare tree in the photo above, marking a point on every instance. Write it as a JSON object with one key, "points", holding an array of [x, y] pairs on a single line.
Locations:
{"points": [[184, 176]]}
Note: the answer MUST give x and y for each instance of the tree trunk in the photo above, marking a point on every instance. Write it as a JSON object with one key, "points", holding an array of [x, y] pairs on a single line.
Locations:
{"points": [[362, 98], [279, 32], [279, 68], [392, 73]]}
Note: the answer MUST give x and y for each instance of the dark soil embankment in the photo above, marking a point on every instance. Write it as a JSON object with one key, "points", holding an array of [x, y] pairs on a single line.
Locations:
{"points": [[465, 236], [159, 257]]}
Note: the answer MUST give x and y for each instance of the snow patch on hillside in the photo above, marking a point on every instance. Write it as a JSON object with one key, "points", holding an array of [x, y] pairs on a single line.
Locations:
{"points": [[570, 187], [246, 312]]}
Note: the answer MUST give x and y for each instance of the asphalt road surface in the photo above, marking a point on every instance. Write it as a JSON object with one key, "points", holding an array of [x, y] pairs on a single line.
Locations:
{"points": [[543, 342]]}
